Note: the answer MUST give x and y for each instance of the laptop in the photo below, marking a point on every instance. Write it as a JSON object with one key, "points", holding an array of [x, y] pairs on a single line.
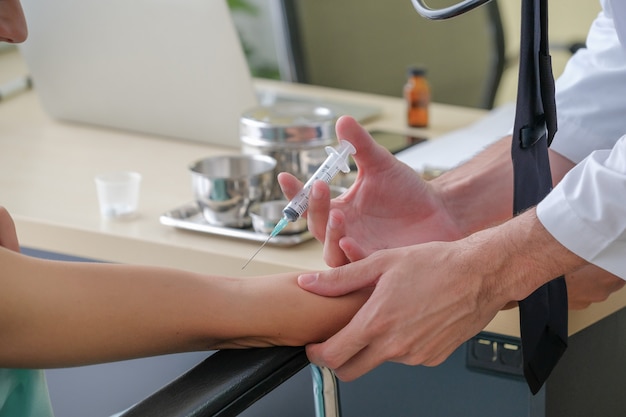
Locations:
{"points": [[166, 67], [174, 68]]}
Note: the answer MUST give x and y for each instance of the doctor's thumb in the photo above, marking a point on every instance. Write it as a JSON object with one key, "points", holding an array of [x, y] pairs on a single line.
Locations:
{"points": [[331, 283]]}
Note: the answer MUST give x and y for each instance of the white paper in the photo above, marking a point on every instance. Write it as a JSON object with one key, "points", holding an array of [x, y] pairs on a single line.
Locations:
{"points": [[454, 148]]}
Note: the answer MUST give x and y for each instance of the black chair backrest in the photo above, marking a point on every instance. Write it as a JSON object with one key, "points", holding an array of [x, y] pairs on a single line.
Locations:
{"points": [[368, 46]]}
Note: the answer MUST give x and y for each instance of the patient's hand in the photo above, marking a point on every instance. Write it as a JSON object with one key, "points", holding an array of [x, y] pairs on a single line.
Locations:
{"points": [[590, 284], [8, 236], [586, 286]]}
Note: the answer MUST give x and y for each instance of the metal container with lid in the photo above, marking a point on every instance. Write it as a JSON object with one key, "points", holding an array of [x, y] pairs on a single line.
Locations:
{"points": [[294, 134]]}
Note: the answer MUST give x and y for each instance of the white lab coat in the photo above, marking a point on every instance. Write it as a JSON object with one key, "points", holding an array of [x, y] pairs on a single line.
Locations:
{"points": [[586, 212]]}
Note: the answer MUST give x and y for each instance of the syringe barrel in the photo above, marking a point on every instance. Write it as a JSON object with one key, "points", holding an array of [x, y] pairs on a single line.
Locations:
{"points": [[335, 162], [298, 205]]}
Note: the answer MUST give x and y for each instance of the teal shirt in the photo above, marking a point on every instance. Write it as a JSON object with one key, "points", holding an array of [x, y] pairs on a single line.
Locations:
{"points": [[24, 393]]}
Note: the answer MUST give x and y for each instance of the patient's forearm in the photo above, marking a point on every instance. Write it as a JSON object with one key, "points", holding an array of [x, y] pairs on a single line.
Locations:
{"points": [[278, 311], [63, 314]]}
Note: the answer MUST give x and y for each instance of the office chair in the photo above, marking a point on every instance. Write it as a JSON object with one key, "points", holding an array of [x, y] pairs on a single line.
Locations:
{"points": [[368, 47]]}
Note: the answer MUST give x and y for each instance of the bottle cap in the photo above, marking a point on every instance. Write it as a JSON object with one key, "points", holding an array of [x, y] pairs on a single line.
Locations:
{"points": [[417, 71]]}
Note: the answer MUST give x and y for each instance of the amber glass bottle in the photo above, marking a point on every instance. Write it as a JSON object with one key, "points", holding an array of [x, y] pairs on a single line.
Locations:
{"points": [[417, 97]]}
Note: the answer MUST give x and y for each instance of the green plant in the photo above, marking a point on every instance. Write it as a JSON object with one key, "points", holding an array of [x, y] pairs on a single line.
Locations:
{"points": [[243, 6], [263, 71]]}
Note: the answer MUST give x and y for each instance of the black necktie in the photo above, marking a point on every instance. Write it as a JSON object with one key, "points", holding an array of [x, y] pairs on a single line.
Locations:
{"points": [[543, 315]]}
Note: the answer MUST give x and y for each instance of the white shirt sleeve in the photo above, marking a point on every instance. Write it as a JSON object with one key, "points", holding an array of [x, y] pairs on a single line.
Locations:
{"points": [[586, 211], [591, 93]]}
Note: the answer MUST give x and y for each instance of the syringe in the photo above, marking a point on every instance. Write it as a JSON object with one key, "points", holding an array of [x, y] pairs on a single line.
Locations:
{"points": [[336, 161]]}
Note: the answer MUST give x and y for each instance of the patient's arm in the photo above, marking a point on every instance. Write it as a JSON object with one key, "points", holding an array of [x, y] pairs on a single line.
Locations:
{"points": [[65, 313]]}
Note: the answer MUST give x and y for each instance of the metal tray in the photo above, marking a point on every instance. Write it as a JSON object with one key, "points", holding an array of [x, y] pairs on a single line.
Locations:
{"points": [[190, 217]]}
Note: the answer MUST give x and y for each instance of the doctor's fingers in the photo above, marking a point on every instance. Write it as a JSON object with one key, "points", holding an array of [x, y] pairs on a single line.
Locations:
{"points": [[354, 367], [335, 231], [342, 280], [317, 213], [342, 354], [340, 249], [368, 151], [364, 345], [348, 353], [289, 184]]}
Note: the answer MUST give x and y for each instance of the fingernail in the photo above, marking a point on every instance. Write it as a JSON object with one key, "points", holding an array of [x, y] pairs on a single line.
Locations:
{"points": [[307, 279], [333, 222], [315, 193]]}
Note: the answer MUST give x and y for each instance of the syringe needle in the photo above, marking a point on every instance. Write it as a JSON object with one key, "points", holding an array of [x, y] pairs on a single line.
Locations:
{"points": [[277, 229], [257, 251]]}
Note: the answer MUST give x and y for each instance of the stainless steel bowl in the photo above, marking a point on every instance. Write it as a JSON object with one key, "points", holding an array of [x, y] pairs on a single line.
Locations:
{"points": [[295, 134], [266, 215], [226, 186]]}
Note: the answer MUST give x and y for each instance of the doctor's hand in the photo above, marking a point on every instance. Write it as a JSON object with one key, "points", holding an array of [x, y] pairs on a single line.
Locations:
{"points": [[388, 205], [429, 298], [426, 302]]}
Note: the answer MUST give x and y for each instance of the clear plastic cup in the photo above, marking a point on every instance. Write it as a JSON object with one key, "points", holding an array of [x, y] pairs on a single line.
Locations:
{"points": [[118, 193]]}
